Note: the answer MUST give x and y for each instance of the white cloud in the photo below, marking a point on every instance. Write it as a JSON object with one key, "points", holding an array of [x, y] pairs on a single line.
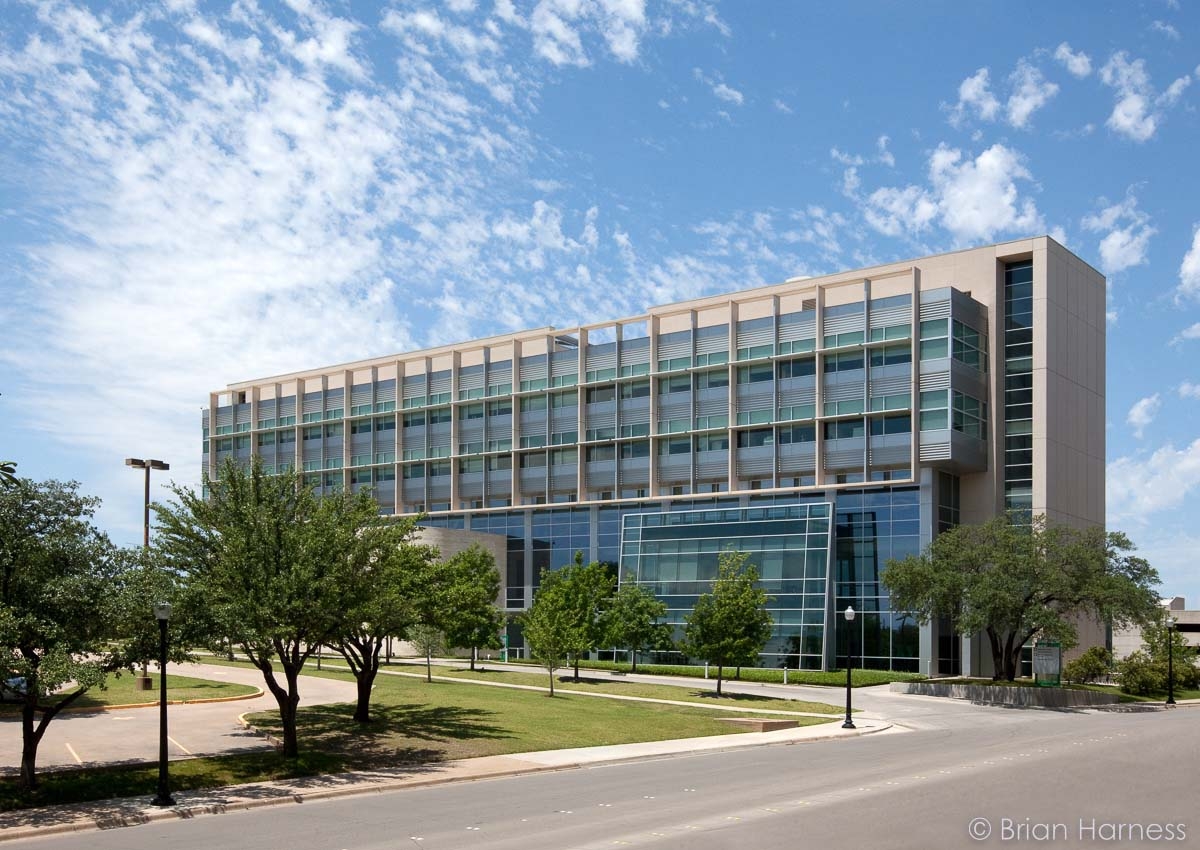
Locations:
{"points": [[1166, 29], [718, 87], [1189, 270], [1189, 390], [975, 96], [1188, 333], [1138, 486], [885, 156], [1077, 64], [1128, 234], [1142, 414], [1138, 110], [1031, 91], [780, 106], [971, 198]]}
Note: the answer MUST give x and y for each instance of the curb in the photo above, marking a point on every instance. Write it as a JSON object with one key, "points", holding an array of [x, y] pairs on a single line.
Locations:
{"points": [[258, 692], [185, 812]]}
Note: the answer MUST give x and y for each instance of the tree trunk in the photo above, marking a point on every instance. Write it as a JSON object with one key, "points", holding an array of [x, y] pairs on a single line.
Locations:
{"points": [[366, 680], [29, 742], [576, 669], [719, 669], [474, 651], [429, 667], [633, 658], [551, 683], [738, 673], [997, 655], [287, 699]]}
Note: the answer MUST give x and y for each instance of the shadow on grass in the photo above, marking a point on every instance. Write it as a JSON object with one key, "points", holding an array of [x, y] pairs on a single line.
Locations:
{"points": [[733, 696], [393, 737]]}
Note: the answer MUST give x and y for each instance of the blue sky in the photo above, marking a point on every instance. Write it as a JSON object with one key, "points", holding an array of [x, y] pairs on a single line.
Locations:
{"points": [[193, 194]]}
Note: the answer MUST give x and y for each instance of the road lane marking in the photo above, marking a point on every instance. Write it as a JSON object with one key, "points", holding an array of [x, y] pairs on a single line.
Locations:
{"points": [[185, 750], [74, 754]]}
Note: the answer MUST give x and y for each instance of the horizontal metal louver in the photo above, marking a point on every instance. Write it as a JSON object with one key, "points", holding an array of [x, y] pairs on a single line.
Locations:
{"points": [[266, 408], [533, 423], [935, 451], [797, 326], [712, 339], [499, 432], [712, 406], [935, 310], [799, 395], [890, 386], [312, 402], [843, 391], [286, 406], [605, 419], [470, 378], [632, 416], [361, 394], [564, 363], [754, 332], [224, 416], [634, 351], [678, 344], [602, 356], [415, 386], [385, 390], [675, 410], [934, 381], [759, 463], [499, 483], [439, 382], [500, 373], [712, 464], [889, 456], [633, 473], [850, 458], [533, 368], [888, 316], [843, 324]]}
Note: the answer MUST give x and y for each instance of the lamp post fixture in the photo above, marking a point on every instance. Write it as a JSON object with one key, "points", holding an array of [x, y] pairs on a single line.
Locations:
{"points": [[849, 724], [143, 681], [1170, 660], [162, 613]]}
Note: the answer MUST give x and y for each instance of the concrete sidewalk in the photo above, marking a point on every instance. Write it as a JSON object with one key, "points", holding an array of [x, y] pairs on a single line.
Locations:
{"points": [[107, 814]]}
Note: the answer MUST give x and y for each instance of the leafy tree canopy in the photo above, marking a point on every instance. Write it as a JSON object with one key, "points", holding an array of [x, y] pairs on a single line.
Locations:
{"points": [[1014, 582], [633, 620], [730, 625]]}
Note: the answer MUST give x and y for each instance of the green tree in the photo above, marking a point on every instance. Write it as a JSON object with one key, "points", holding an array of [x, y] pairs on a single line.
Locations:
{"points": [[633, 621], [1183, 657], [8, 473], [1095, 662], [385, 605], [273, 567], [57, 604], [584, 592], [470, 618], [1014, 582], [428, 641], [551, 628], [730, 625]]}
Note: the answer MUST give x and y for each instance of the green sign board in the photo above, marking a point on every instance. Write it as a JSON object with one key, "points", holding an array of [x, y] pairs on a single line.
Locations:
{"points": [[1047, 663]]}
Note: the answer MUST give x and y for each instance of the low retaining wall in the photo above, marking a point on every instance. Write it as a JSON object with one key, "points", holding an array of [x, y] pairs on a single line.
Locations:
{"points": [[1002, 695]]}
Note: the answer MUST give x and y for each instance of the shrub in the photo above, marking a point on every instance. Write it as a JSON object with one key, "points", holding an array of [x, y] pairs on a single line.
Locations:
{"points": [[1088, 667], [1140, 675]]}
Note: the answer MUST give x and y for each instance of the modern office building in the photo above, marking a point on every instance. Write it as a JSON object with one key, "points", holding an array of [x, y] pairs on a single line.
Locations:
{"points": [[823, 425]]}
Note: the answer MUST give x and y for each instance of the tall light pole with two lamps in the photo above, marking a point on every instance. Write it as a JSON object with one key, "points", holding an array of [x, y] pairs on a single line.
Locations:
{"points": [[162, 613]]}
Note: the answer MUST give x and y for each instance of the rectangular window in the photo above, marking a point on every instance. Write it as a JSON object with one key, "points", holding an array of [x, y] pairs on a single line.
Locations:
{"points": [[637, 448], [336, 430], [675, 446], [470, 464], [674, 364], [716, 358], [564, 438], [472, 448], [633, 370], [891, 332], [844, 339], [559, 457], [598, 395], [755, 417], [754, 352], [674, 384], [311, 434], [844, 408], [601, 434], [797, 411], [802, 367], [385, 423], [470, 411], [564, 400], [411, 420], [895, 424], [440, 469], [565, 380], [844, 362], [797, 434], [500, 463], [712, 380], [605, 374], [536, 460], [633, 389], [414, 454], [533, 441], [499, 445], [533, 385], [712, 442], [755, 374], [704, 423], [672, 426], [596, 453], [891, 355], [532, 403], [845, 429], [439, 416], [640, 430], [755, 438], [266, 423], [415, 470], [499, 389], [284, 437], [266, 439]]}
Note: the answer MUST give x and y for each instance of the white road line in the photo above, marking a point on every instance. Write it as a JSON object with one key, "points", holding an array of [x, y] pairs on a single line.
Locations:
{"points": [[185, 750], [74, 754]]}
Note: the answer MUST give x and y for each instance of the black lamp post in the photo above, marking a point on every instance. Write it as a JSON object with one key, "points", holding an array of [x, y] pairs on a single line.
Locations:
{"points": [[1170, 660], [147, 464], [849, 724], [162, 612]]}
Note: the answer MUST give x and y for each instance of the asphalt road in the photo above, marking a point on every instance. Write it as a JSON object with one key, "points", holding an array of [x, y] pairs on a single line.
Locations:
{"points": [[1075, 779]]}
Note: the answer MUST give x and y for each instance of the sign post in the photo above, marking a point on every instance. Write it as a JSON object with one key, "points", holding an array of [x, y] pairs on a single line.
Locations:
{"points": [[1047, 663]]}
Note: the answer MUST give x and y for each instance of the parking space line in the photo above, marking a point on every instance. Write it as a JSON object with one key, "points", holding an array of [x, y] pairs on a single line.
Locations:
{"points": [[74, 754], [182, 748]]}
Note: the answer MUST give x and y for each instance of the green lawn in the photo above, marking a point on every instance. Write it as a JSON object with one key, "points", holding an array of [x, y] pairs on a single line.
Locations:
{"points": [[630, 688], [417, 721]]}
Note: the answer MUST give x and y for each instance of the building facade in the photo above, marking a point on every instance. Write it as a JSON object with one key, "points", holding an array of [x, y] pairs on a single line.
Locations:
{"points": [[825, 425]]}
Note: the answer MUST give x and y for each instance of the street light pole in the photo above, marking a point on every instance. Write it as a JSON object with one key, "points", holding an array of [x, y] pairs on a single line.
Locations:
{"points": [[143, 681], [849, 724], [1170, 660], [162, 612]]}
